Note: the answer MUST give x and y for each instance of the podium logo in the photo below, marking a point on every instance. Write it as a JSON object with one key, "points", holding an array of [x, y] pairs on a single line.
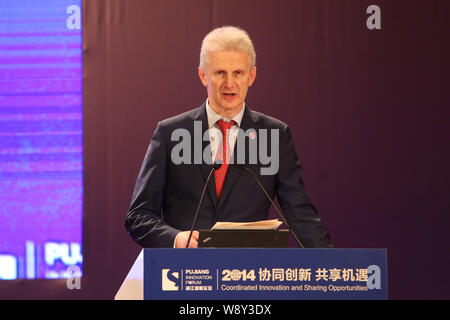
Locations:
{"points": [[170, 280]]}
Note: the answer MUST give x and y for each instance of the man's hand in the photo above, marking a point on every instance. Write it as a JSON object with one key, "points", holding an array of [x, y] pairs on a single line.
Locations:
{"points": [[182, 239]]}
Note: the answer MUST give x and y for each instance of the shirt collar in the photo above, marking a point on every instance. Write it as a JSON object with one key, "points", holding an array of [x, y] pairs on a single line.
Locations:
{"points": [[214, 117]]}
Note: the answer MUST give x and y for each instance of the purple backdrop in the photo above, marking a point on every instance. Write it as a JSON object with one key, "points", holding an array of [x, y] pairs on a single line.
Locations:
{"points": [[41, 169]]}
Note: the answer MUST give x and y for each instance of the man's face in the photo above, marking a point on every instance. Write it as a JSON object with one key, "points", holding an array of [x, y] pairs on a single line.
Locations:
{"points": [[227, 78]]}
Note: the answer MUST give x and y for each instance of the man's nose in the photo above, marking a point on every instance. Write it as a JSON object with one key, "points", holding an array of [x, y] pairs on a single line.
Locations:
{"points": [[228, 81]]}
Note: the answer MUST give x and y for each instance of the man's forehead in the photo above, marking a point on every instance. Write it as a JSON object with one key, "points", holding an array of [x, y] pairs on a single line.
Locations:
{"points": [[219, 59]]}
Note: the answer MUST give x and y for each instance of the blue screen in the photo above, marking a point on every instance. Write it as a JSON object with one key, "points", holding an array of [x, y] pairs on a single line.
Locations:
{"points": [[41, 147]]}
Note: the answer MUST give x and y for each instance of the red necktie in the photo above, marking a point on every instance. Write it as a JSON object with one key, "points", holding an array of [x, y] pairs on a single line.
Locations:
{"points": [[223, 153]]}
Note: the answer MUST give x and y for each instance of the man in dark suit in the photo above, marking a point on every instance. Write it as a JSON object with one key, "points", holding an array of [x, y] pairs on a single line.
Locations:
{"points": [[183, 148]]}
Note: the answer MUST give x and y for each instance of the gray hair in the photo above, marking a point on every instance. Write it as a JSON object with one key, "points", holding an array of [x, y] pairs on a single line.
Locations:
{"points": [[227, 38]]}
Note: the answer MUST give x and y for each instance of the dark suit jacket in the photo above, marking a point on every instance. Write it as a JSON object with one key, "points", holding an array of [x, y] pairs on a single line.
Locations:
{"points": [[166, 194]]}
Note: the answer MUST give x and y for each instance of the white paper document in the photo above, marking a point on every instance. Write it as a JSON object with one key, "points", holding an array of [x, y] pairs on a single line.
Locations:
{"points": [[256, 225]]}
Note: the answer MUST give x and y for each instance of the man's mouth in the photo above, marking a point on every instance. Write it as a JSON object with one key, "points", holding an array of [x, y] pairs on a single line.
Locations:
{"points": [[229, 95]]}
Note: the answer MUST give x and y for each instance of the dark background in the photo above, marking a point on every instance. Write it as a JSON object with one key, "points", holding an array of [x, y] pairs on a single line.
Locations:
{"points": [[369, 111]]}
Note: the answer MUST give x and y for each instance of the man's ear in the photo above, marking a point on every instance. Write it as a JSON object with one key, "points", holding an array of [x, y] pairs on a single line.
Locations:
{"points": [[202, 76], [252, 76]]}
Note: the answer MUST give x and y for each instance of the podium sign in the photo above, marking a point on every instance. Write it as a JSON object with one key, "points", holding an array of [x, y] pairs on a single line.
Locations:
{"points": [[265, 274]]}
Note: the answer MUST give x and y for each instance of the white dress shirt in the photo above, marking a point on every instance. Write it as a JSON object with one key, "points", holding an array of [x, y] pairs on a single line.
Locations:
{"points": [[215, 134]]}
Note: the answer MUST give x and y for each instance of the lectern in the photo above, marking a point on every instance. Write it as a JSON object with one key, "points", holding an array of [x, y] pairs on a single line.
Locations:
{"points": [[257, 274]]}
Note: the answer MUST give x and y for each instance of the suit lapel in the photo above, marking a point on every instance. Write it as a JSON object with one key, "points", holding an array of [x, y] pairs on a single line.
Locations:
{"points": [[206, 164]]}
